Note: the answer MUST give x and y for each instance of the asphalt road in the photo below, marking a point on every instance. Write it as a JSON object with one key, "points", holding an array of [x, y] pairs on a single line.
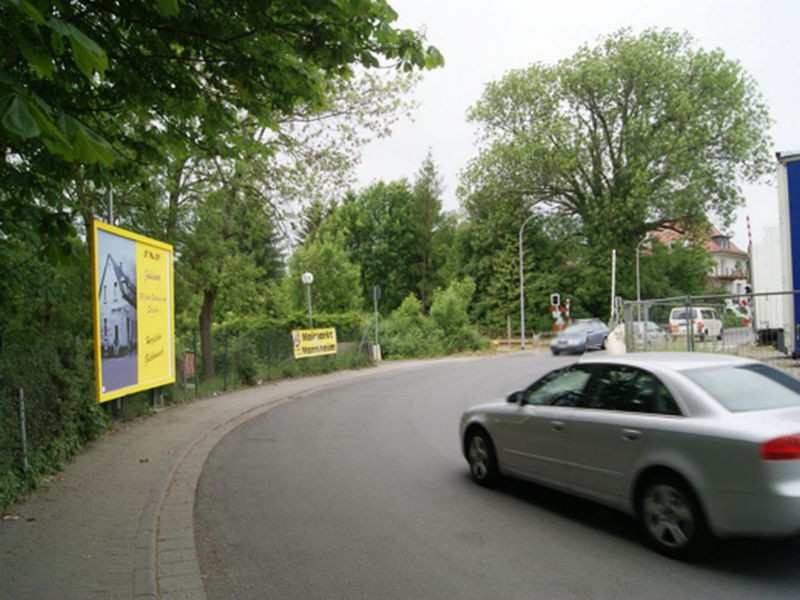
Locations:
{"points": [[360, 491]]}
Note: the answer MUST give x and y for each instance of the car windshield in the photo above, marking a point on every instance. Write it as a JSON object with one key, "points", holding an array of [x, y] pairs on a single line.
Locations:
{"points": [[576, 328], [679, 313], [748, 387]]}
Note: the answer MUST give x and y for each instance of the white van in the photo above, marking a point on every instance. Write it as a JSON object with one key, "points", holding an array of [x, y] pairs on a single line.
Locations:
{"points": [[705, 321]]}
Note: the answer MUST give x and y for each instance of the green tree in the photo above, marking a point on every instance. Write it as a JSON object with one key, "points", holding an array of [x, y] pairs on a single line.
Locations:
{"points": [[675, 270], [336, 280], [72, 77], [377, 230], [229, 253], [426, 212], [450, 313], [634, 133], [139, 83], [395, 232]]}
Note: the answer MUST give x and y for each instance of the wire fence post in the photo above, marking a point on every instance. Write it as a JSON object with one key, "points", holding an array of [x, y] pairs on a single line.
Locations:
{"points": [[269, 354], [689, 323], [196, 365], [225, 364], [23, 430]]}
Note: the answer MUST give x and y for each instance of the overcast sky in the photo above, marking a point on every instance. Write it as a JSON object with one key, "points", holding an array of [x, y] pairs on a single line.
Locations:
{"points": [[482, 40]]}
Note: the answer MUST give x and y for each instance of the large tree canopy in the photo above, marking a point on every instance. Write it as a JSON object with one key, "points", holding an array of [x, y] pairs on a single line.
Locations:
{"points": [[630, 134], [77, 75], [106, 83]]}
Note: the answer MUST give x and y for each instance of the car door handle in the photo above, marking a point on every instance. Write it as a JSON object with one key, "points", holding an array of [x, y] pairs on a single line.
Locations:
{"points": [[557, 425], [631, 434]]}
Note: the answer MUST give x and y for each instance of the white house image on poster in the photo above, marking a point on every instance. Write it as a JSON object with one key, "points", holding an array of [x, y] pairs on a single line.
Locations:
{"points": [[118, 336], [117, 299]]}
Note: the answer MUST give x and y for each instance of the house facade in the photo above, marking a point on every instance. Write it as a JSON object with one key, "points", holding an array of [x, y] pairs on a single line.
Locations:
{"points": [[118, 318], [730, 270], [730, 264]]}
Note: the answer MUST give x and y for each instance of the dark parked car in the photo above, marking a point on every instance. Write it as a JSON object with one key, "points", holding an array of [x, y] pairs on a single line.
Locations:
{"points": [[580, 336]]}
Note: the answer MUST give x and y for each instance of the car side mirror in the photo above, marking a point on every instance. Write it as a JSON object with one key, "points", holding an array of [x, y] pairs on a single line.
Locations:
{"points": [[517, 397]]}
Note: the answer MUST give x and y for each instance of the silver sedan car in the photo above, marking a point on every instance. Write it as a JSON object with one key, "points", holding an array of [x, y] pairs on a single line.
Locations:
{"points": [[696, 446]]}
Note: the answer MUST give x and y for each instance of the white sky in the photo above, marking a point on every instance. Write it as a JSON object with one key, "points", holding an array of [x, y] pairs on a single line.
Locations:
{"points": [[481, 40]]}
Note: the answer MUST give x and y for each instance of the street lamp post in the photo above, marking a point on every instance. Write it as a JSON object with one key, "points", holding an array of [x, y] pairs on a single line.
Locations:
{"points": [[638, 280], [522, 283], [307, 278]]}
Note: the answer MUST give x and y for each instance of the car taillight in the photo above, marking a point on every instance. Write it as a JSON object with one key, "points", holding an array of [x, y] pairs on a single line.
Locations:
{"points": [[782, 448]]}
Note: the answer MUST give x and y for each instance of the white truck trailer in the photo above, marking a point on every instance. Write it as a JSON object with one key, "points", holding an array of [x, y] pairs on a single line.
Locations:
{"points": [[775, 264], [768, 275]]}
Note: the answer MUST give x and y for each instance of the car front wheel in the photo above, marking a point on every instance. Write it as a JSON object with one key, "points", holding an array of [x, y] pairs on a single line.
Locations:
{"points": [[672, 519], [481, 457]]}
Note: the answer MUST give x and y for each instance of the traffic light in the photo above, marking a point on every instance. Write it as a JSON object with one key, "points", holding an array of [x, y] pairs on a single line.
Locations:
{"points": [[555, 299]]}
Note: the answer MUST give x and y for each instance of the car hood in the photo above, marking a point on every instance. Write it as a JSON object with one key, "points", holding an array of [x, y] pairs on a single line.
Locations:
{"points": [[493, 406], [571, 336]]}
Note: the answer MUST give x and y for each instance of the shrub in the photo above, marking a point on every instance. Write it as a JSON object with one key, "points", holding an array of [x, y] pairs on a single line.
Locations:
{"points": [[244, 358], [449, 313], [62, 414], [407, 333]]}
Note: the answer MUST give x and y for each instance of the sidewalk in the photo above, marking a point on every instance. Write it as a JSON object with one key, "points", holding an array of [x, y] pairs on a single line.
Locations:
{"points": [[118, 521]]}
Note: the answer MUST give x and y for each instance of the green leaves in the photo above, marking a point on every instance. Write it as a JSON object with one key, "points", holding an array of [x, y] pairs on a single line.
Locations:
{"points": [[18, 119], [168, 8], [65, 136], [89, 57]]}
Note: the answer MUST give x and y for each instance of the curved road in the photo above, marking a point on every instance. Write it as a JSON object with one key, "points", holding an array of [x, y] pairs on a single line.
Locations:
{"points": [[360, 491]]}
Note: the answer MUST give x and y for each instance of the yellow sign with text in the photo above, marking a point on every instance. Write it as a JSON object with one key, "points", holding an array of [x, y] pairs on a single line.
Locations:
{"points": [[313, 342], [133, 312]]}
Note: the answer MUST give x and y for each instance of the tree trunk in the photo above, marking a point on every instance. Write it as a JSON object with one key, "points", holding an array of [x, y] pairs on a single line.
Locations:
{"points": [[206, 343], [175, 201]]}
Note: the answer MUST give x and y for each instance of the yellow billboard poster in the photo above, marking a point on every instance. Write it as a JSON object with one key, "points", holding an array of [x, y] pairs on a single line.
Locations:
{"points": [[133, 312], [313, 342]]}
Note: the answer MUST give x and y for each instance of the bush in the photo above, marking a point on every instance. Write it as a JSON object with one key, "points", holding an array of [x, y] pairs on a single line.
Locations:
{"points": [[449, 312], [244, 357], [62, 414], [407, 333]]}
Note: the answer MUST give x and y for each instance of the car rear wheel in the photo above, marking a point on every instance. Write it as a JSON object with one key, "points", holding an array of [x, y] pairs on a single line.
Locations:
{"points": [[481, 457], [672, 519]]}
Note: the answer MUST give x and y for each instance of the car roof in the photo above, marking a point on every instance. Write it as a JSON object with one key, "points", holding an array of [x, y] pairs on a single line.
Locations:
{"points": [[671, 361]]}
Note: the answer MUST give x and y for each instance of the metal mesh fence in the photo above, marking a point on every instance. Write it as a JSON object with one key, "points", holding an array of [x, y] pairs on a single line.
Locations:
{"points": [[757, 326], [245, 357]]}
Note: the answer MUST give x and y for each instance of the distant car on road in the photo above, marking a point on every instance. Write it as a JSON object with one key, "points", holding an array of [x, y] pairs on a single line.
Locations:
{"points": [[696, 446], [705, 321], [648, 332], [580, 336]]}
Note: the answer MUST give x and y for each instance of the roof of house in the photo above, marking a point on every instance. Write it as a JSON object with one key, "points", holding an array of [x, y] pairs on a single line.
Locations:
{"points": [[666, 236]]}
